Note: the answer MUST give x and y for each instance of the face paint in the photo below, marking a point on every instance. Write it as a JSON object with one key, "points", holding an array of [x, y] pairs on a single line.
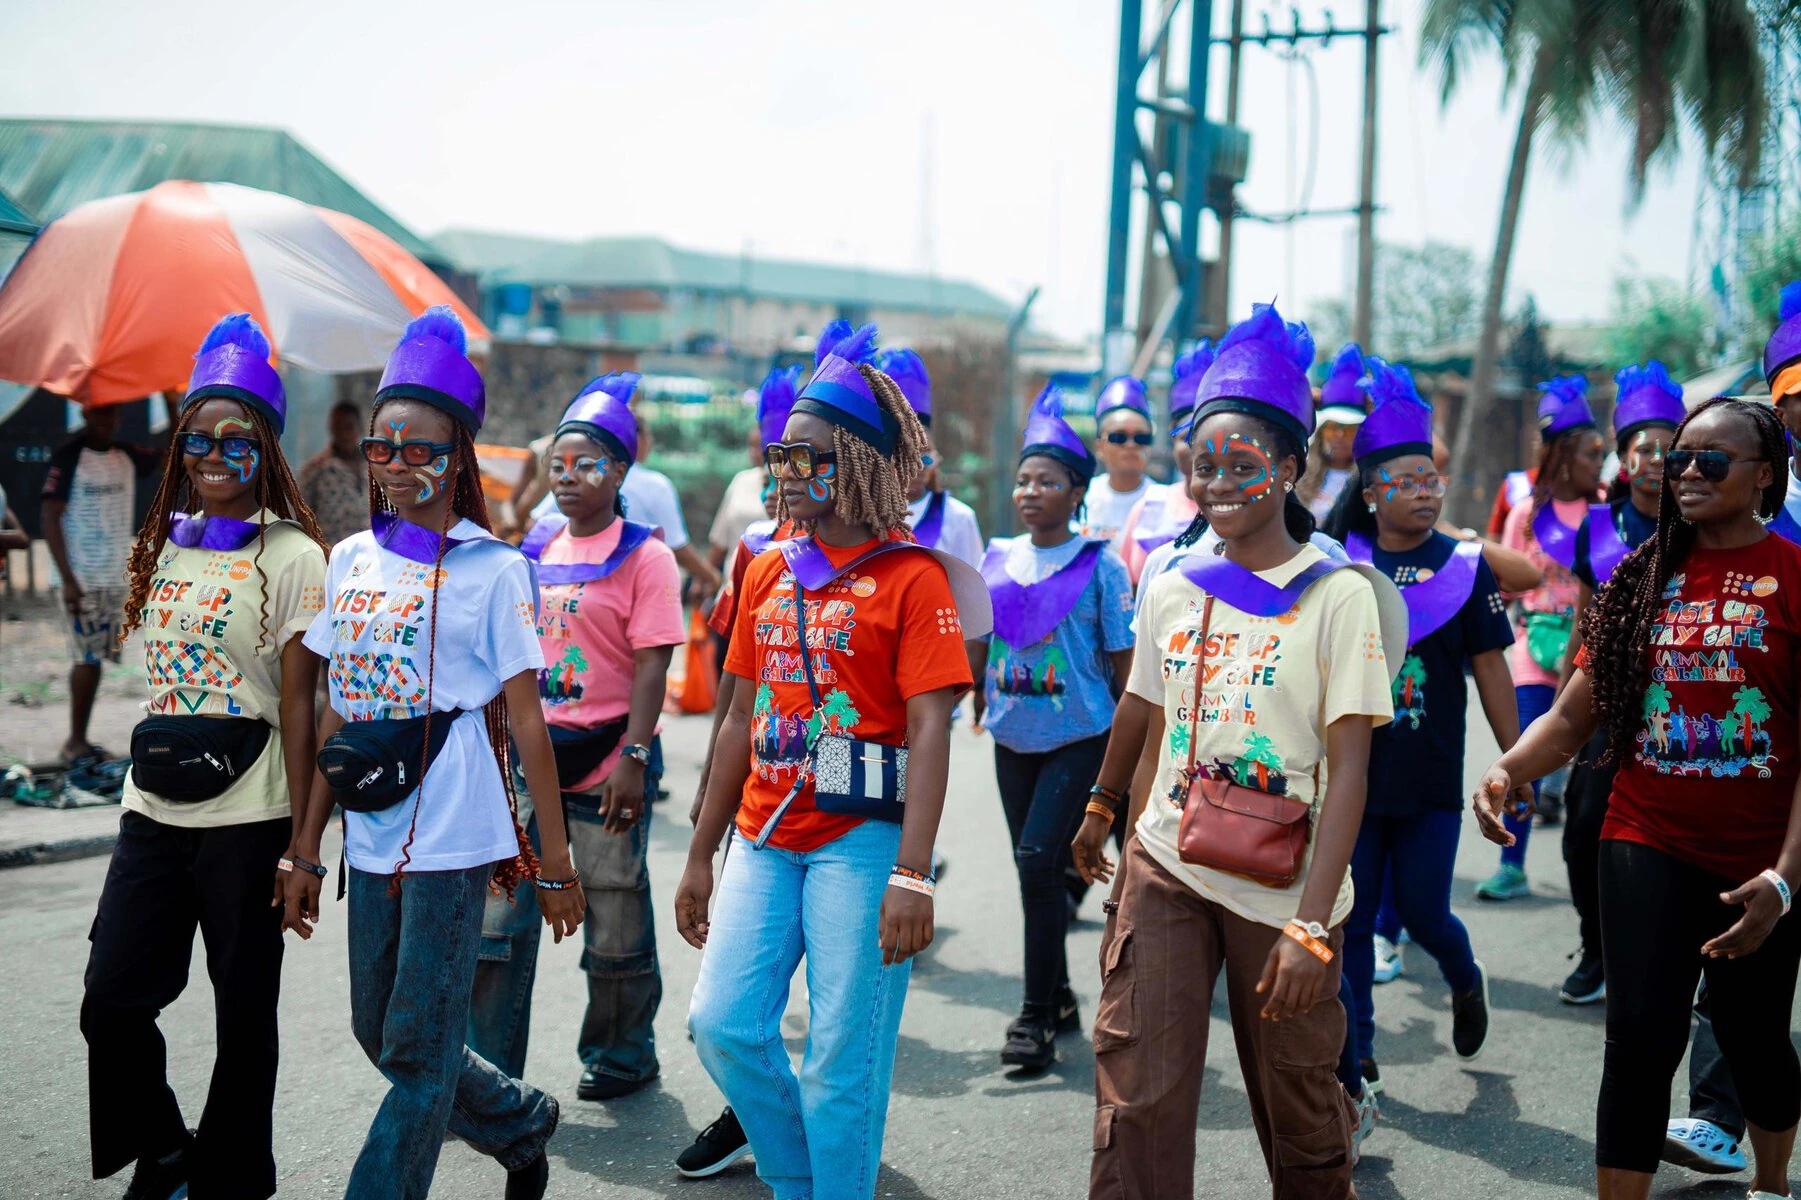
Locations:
{"points": [[431, 477], [1257, 486], [1645, 454], [245, 467], [820, 487]]}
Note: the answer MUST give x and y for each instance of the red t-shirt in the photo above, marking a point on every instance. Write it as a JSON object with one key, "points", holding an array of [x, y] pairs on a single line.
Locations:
{"points": [[725, 607], [880, 635], [1712, 774]]}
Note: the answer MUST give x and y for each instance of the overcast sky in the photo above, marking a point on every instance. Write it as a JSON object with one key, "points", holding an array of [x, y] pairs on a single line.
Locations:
{"points": [[796, 129]]}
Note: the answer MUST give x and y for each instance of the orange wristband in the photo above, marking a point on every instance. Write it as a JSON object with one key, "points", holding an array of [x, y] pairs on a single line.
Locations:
{"points": [[1097, 809], [1318, 948]]}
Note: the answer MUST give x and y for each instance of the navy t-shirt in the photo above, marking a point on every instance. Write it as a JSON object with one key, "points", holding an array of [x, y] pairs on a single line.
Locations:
{"points": [[1416, 762]]}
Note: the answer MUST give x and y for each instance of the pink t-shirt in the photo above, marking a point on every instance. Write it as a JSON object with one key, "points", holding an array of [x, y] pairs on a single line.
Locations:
{"points": [[1179, 511], [590, 631], [1558, 592]]}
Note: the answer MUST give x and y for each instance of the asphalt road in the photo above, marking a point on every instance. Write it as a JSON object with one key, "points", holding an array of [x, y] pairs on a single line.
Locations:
{"points": [[1518, 1122]]}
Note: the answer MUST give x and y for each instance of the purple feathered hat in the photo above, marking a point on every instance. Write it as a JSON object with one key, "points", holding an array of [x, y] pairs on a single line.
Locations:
{"points": [[1047, 433], [838, 392], [775, 400], [1260, 368], [1122, 391], [233, 361], [1564, 406], [1341, 397], [1784, 349], [431, 363], [908, 371], [1185, 382], [1399, 423], [1646, 396], [603, 411]]}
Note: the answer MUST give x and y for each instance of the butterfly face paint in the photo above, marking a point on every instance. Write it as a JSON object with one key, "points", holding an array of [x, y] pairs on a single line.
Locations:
{"points": [[819, 488], [244, 465], [1254, 480]]}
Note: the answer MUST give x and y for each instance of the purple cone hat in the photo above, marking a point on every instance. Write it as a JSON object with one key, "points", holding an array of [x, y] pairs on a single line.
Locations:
{"points": [[1047, 433], [775, 400], [1122, 391], [838, 392], [908, 371], [1260, 368], [1185, 383], [603, 411], [1341, 397], [1646, 396], [1401, 421], [431, 363], [1784, 349], [233, 361], [1564, 406]]}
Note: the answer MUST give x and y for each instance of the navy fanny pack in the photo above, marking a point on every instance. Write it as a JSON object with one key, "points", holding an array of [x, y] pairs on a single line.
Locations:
{"points": [[190, 759], [373, 765]]}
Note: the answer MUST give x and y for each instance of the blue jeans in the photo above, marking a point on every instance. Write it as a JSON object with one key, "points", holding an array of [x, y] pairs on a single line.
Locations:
{"points": [[412, 961], [818, 1136], [1388, 921], [619, 952], [1417, 854], [1534, 702]]}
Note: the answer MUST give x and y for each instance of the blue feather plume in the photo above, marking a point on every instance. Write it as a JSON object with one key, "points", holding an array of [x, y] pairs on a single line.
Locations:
{"points": [[1349, 361], [1791, 300], [1049, 402], [237, 329], [618, 384], [1195, 362], [778, 389], [1291, 339], [859, 347], [902, 364], [1653, 374], [834, 332], [1566, 387], [441, 322], [1390, 383]]}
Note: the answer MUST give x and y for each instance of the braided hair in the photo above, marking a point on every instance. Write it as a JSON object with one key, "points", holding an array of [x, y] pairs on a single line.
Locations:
{"points": [[1295, 515], [276, 491], [871, 488], [1616, 628], [466, 500], [1554, 458]]}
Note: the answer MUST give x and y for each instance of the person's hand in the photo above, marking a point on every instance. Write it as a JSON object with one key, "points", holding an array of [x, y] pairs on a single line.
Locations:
{"points": [[1497, 787], [1090, 849], [906, 925], [978, 709], [563, 908], [692, 896], [622, 795], [1294, 979], [72, 597], [298, 897], [1763, 908]]}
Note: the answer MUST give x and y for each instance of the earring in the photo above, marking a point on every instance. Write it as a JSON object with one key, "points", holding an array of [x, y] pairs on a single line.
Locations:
{"points": [[1289, 486], [1372, 508]]}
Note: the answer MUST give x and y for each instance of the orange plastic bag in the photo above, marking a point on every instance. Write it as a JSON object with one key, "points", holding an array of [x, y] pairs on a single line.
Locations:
{"points": [[700, 683]]}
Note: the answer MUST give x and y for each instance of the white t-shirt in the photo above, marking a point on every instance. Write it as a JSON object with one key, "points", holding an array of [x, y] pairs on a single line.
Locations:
{"points": [[98, 528], [1108, 509], [962, 536], [1330, 484], [1274, 685], [650, 499], [376, 630], [739, 507]]}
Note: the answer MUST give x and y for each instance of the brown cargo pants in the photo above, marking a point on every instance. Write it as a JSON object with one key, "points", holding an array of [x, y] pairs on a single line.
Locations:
{"points": [[1161, 955]]}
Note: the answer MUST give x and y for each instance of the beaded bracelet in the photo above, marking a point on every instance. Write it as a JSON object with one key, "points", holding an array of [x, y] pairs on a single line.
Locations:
{"points": [[1319, 949], [1781, 886], [558, 885], [1097, 809], [924, 887]]}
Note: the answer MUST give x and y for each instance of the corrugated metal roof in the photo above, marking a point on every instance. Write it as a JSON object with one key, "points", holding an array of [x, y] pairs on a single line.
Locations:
{"points": [[51, 166], [652, 263], [14, 219]]}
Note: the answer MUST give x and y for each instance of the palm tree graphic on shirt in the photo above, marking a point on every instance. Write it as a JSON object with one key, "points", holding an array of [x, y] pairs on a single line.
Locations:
{"points": [[1657, 716], [1260, 763], [559, 683], [1749, 707], [836, 715]]}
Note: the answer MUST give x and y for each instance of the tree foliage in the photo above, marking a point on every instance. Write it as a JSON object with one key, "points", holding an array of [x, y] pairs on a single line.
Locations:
{"points": [[1659, 318], [1424, 296]]}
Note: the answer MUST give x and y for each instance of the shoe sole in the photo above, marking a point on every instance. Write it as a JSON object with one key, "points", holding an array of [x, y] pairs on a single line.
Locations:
{"points": [[1016, 1060], [1495, 896], [1681, 1154], [1594, 997], [1487, 1008], [713, 1169]]}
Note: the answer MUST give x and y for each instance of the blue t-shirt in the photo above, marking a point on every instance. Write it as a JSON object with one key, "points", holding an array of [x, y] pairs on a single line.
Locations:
{"points": [[1062, 689], [1416, 762]]}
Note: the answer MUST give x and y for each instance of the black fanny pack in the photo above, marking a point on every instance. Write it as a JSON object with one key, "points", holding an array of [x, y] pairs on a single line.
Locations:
{"points": [[372, 765], [189, 759], [579, 751]]}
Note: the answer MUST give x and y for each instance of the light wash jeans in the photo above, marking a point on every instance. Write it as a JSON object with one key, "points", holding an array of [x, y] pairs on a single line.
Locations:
{"points": [[412, 961], [818, 1136]]}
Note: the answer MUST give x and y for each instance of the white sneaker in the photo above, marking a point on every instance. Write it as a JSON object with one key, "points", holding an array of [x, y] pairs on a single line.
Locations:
{"points": [[1703, 1146], [1757, 1195], [1367, 1112], [1388, 960]]}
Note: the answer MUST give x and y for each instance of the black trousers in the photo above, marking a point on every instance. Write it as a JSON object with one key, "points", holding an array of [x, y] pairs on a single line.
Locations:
{"points": [[1585, 808], [1656, 912], [164, 882]]}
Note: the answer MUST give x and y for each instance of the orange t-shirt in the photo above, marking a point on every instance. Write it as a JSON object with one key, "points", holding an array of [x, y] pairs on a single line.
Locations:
{"points": [[879, 635]]}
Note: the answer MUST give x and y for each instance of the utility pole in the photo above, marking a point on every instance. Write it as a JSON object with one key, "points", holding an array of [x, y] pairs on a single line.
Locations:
{"points": [[1362, 316], [1006, 421], [1234, 57]]}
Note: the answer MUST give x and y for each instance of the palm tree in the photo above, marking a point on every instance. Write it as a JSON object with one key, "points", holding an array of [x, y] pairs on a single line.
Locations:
{"points": [[1259, 755], [1749, 707], [1655, 62]]}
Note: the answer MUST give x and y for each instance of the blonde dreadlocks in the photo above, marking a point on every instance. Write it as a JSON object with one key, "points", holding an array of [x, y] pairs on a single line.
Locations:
{"points": [[871, 489]]}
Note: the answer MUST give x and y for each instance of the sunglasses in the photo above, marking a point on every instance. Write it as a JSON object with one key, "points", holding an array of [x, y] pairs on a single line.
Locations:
{"points": [[581, 467], [1713, 464], [1120, 437], [199, 445], [801, 460], [418, 453]]}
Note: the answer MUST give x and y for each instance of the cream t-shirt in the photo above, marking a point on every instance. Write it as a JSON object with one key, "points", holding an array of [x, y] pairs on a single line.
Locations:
{"points": [[1272, 687], [209, 650]]}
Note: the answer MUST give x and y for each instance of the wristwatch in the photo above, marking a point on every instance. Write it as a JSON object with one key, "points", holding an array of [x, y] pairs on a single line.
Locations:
{"points": [[641, 753], [1312, 929]]}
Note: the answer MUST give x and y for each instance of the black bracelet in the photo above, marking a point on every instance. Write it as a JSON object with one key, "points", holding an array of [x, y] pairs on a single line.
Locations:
{"points": [[311, 868], [558, 885]]}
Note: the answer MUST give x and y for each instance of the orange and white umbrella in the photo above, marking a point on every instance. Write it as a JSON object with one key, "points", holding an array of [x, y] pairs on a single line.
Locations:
{"points": [[111, 300]]}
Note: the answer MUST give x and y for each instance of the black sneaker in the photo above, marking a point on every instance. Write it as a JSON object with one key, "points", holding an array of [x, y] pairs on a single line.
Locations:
{"points": [[531, 1181], [164, 1178], [1069, 1015], [1372, 1075], [598, 1085], [1469, 1018], [1031, 1041], [719, 1146], [1587, 984]]}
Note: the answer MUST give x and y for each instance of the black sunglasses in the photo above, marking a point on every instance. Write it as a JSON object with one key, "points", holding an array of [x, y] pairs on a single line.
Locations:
{"points": [[1713, 464], [417, 453], [199, 445], [801, 459], [1120, 437]]}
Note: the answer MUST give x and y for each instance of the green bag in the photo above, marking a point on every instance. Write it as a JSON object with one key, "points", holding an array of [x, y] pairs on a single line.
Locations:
{"points": [[1547, 637]]}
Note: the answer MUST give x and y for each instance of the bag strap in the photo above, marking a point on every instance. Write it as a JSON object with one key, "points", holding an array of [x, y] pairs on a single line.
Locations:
{"points": [[1200, 676], [800, 629], [806, 662]]}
